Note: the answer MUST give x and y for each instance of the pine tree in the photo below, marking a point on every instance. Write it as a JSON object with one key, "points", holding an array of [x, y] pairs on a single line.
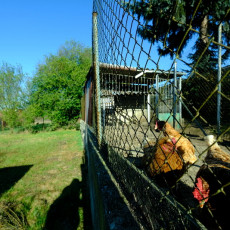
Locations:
{"points": [[168, 21]]}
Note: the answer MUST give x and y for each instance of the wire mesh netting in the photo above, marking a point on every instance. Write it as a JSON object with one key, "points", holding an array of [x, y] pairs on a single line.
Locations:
{"points": [[164, 85]]}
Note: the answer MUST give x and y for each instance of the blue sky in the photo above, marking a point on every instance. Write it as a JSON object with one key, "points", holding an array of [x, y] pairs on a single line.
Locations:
{"points": [[32, 29]]}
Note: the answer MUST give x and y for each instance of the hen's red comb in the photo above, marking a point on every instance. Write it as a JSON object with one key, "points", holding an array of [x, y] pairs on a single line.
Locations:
{"points": [[199, 192], [174, 140]]}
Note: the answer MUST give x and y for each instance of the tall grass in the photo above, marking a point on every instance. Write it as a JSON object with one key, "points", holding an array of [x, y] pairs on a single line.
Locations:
{"points": [[42, 181]]}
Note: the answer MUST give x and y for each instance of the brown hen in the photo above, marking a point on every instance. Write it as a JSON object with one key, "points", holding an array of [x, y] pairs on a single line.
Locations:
{"points": [[184, 147], [163, 162], [213, 184]]}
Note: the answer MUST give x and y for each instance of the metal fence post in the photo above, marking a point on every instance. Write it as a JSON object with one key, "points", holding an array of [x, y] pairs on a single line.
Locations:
{"points": [[218, 79], [86, 103], [97, 77], [148, 108], [157, 96], [174, 94], [180, 103], [104, 106]]}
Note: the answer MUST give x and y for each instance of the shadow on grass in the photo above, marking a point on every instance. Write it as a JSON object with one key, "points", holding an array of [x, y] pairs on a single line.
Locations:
{"points": [[10, 175], [64, 212]]}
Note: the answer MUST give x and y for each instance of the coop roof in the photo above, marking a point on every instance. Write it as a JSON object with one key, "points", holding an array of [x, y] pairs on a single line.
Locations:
{"points": [[117, 80], [133, 71]]}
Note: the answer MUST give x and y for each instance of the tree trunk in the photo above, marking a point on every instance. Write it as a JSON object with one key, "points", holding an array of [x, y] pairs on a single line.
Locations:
{"points": [[204, 30]]}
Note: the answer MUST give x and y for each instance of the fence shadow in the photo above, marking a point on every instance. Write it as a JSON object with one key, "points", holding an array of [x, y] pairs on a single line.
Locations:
{"points": [[64, 212], [86, 196], [10, 175]]}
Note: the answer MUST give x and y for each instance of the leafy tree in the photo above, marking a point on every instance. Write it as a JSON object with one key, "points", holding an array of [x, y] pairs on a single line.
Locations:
{"points": [[11, 117], [11, 93], [11, 79], [57, 86], [28, 115]]}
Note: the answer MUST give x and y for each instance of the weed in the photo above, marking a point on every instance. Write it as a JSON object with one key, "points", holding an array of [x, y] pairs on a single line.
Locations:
{"points": [[11, 218]]}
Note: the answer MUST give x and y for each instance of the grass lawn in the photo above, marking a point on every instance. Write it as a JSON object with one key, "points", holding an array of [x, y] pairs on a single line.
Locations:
{"points": [[43, 181]]}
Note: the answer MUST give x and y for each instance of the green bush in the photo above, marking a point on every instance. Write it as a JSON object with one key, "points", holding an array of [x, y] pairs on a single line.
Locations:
{"points": [[38, 128]]}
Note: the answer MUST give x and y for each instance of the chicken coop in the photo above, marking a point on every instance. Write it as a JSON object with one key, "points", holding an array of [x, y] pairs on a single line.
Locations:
{"points": [[142, 174], [133, 94]]}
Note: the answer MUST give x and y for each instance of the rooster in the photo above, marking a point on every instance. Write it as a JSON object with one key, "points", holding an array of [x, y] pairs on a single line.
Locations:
{"points": [[212, 183], [184, 147]]}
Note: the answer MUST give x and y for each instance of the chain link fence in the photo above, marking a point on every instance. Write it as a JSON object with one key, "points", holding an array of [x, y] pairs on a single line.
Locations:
{"points": [[151, 64]]}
